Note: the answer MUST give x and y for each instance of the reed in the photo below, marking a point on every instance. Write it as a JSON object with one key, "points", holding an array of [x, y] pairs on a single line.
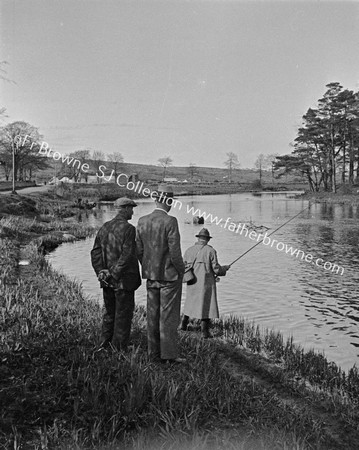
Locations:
{"points": [[310, 365]]}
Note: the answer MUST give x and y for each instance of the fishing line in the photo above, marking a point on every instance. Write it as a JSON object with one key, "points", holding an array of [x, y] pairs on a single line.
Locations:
{"points": [[285, 223]]}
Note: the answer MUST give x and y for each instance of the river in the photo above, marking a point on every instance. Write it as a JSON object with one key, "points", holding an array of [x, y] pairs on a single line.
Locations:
{"points": [[318, 307]]}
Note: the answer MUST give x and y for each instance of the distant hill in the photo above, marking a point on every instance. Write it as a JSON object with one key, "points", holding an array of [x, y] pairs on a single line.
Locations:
{"points": [[152, 173]]}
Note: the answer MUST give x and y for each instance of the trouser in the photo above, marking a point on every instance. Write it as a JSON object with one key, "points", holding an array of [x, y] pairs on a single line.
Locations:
{"points": [[116, 324], [163, 316], [205, 324]]}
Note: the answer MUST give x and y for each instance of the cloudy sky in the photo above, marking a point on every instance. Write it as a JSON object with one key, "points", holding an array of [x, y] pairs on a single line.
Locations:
{"points": [[193, 80]]}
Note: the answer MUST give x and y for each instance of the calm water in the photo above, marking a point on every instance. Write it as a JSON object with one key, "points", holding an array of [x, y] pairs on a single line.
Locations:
{"points": [[277, 290]]}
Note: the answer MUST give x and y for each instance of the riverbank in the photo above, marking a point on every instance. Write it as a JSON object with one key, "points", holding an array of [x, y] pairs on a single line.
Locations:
{"points": [[110, 192], [245, 389], [344, 196]]}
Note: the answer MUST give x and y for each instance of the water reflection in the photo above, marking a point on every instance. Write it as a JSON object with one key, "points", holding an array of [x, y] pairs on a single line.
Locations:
{"points": [[280, 291]]}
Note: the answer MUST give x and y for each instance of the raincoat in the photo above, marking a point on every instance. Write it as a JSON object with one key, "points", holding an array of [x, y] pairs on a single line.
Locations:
{"points": [[201, 298]]}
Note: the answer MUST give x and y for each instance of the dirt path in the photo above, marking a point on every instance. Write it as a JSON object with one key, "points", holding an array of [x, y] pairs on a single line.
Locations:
{"points": [[30, 190], [244, 365]]}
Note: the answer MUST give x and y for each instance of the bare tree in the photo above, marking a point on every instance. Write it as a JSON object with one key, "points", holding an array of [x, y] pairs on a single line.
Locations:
{"points": [[19, 150], [271, 159], [98, 157], [165, 162], [192, 168], [74, 170], [232, 163], [3, 78], [116, 160], [261, 164], [265, 162], [3, 72]]}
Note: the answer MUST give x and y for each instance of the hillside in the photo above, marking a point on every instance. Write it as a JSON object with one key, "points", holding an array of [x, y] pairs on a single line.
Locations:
{"points": [[148, 173]]}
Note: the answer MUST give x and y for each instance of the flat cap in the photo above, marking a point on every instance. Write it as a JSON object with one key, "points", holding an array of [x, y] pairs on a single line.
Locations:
{"points": [[124, 201]]}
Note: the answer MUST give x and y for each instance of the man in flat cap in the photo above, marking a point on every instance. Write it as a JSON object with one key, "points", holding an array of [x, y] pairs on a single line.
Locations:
{"points": [[201, 296], [115, 262], [159, 251]]}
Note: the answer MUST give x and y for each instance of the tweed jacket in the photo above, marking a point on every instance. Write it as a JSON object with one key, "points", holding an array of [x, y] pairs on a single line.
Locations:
{"points": [[158, 247], [115, 250]]}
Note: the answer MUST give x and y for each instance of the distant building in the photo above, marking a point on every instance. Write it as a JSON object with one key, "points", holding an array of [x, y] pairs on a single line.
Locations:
{"points": [[56, 181], [53, 180], [66, 180], [93, 179], [170, 180]]}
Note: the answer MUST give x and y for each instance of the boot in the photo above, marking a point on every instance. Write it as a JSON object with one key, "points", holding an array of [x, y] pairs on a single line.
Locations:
{"points": [[184, 323], [205, 324]]}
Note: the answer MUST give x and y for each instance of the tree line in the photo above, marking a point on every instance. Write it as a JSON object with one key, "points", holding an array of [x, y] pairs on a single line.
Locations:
{"points": [[20, 143], [326, 149]]}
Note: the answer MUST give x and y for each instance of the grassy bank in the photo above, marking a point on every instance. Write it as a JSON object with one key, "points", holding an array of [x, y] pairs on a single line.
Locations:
{"points": [[245, 389], [43, 206], [346, 195]]}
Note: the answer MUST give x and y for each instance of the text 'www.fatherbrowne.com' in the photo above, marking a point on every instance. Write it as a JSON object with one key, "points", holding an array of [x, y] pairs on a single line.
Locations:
{"points": [[265, 239]]}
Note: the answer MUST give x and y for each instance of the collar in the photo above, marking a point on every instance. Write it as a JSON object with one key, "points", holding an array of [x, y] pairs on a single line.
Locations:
{"points": [[121, 215], [160, 209]]}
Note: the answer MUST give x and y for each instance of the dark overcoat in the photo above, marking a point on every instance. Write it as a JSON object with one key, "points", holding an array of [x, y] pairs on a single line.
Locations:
{"points": [[115, 250]]}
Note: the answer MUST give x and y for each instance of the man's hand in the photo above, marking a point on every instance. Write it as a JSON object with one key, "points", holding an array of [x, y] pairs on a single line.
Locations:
{"points": [[226, 268], [104, 275]]}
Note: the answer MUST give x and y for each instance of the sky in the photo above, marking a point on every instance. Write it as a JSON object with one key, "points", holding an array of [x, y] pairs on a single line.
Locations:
{"points": [[193, 80]]}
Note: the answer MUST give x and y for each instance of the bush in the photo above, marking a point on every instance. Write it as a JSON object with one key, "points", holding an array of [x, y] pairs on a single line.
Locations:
{"points": [[257, 184]]}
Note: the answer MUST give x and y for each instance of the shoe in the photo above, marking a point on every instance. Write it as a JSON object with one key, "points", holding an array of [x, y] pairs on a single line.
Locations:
{"points": [[173, 361], [184, 323]]}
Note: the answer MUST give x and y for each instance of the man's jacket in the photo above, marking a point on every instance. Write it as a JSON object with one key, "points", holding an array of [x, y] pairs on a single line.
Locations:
{"points": [[115, 250], [158, 247]]}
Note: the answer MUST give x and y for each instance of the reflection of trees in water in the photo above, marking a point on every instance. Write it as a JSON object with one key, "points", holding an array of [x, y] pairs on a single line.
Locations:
{"points": [[327, 211], [332, 211]]}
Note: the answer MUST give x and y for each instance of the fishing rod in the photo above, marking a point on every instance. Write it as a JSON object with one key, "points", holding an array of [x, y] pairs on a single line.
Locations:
{"points": [[285, 223]]}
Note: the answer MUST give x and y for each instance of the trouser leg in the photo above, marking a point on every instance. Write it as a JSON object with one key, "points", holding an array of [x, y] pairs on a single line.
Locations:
{"points": [[184, 323], [153, 319], [205, 324], [171, 292], [109, 300], [125, 304]]}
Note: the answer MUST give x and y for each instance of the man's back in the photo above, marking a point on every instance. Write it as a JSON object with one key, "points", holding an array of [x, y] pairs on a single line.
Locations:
{"points": [[158, 247]]}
